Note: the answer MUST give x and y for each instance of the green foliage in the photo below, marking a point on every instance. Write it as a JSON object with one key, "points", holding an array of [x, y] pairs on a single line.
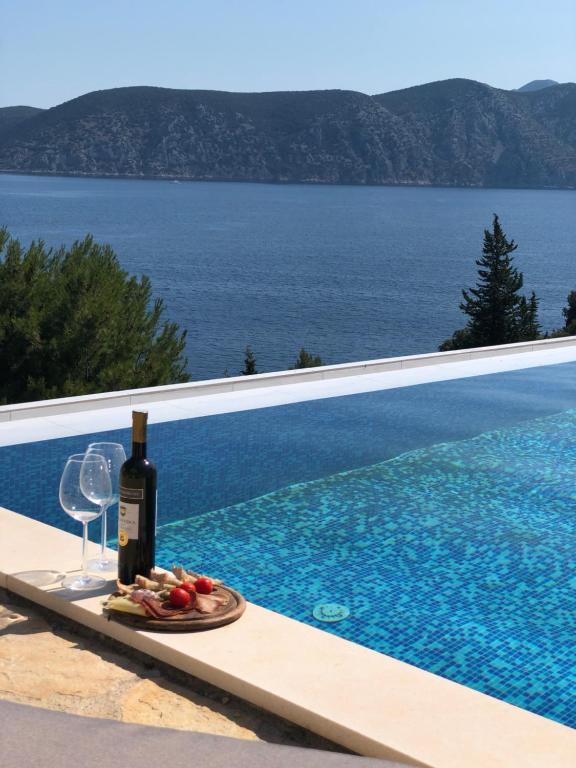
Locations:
{"points": [[569, 313], [528, 326], [306, 360], [73, 322], [497, 312], [249, 363], [460, 339]]}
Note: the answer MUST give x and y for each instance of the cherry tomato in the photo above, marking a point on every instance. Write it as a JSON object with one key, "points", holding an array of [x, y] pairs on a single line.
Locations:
{"points": [[203, 585], [187, 586], [179, 598]]}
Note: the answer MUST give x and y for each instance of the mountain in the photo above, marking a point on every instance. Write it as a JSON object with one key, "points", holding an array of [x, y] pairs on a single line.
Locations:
{"points": [[471, 134], [537, 85], [452, 132], [12, 116]]}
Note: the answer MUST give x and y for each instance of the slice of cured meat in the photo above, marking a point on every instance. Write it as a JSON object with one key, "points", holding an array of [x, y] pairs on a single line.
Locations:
{"points": [[163, 610], [209, 603]]}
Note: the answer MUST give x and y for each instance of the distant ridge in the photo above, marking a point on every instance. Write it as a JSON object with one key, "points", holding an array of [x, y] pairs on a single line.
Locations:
{"points": [[452, 132], [538, 85], [11, 116]]}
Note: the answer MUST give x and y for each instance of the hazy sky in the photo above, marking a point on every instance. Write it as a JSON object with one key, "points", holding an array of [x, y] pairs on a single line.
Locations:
{"points": [[54, 50]]}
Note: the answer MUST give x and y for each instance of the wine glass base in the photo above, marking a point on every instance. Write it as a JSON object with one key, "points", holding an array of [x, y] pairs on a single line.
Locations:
{"points": [[107, 565], [40, 578], [83, 582]]}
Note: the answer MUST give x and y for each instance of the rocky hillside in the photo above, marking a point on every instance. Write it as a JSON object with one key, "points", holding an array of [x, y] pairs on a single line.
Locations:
{"points": [[12, 116], [453, 132], [537, 85]]}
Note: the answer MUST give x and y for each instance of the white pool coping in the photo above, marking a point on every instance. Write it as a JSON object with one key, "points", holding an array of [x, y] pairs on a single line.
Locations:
{"points": [[366, 701], [65, 417]]}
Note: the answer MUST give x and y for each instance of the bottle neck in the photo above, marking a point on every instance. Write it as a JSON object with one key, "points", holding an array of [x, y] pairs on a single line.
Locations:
{"points": [[139, 450]]}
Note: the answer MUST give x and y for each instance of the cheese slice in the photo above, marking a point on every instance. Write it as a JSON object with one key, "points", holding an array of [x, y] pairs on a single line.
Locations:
{"points": [[125, 605]]}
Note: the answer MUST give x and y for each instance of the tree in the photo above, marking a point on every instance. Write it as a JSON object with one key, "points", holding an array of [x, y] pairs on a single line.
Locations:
{"points": [[497, 312], [249, 363], [73, 322], [529, 327], [306, 360], [569, 313]]}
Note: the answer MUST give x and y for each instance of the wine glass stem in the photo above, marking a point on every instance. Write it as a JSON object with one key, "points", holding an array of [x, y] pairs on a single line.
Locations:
{"points": [[104, 532], [84, 549]]}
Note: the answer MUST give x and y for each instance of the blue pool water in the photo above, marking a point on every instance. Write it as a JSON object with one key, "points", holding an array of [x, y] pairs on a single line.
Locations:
{"points": [[443, 516]]}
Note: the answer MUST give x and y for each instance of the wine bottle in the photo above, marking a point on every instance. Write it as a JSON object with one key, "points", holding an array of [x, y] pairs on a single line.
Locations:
{"points": [[137, 507]]}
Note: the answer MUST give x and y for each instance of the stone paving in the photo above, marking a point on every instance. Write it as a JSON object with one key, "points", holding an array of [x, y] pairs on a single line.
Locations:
{"points": [[49, 662]]}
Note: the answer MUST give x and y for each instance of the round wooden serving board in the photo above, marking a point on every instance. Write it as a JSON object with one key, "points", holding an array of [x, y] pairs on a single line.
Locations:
{"points": [[189, 622]]}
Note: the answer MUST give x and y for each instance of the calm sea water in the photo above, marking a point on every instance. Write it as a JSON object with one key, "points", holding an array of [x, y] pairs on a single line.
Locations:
{"points": [[351, 273]]}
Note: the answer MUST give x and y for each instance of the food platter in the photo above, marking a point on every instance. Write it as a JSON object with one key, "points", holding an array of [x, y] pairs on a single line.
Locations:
{"points": [[194, 621], [181, 601]]}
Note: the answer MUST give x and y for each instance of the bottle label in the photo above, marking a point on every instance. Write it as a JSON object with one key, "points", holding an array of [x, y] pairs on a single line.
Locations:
{"points": [[129, 514]]}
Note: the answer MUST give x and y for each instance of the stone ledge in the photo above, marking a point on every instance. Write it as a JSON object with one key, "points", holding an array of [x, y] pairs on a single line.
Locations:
{"points": [[365, 701], [277, 378]]}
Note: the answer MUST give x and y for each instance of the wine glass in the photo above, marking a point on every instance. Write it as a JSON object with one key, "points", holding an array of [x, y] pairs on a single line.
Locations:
{"points": [[92, 473], [115, 456]]}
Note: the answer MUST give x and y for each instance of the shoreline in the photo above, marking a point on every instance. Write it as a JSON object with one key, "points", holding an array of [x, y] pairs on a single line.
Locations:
{"points": [[273, 182]]}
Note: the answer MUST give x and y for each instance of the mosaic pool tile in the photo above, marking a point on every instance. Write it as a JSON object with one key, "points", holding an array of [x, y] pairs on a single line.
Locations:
{"points": [[442, 515], [211, 462], [458, 558]]}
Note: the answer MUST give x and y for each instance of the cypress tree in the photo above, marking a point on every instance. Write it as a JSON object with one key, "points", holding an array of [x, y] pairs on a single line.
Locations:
{"points": [[569, 313], [306, 360], [529, 327], [249, 363], [497, 312]]}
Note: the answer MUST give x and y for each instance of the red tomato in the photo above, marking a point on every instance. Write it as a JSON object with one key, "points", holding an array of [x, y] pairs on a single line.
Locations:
{"points": [[188, 586], [203, 585], [179, 598]]}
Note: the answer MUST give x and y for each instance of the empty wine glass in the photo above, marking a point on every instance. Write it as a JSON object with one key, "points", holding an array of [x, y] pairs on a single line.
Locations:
{"points": [[90, 472], [114, 456]]}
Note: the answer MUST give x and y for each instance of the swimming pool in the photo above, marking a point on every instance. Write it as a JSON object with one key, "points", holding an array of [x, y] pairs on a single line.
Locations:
{"points": [[441, 515]]}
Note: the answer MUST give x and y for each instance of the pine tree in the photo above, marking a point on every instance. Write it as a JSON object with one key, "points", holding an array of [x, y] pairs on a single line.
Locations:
{"points": [[73, 322], [306, 360], [249, 363], [569, 313], [498, 313], [529, 327]]}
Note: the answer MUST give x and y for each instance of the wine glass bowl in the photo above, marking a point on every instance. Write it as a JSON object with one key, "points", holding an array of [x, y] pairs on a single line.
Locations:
{"points": [[90, 472], [95, 480], [115, 456]]}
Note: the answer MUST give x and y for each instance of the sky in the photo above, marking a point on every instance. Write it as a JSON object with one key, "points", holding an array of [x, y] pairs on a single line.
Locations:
{"points": [[55, 50]]}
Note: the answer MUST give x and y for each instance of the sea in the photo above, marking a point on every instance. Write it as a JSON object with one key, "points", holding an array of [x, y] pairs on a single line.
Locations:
{"points": [[349, 273]]}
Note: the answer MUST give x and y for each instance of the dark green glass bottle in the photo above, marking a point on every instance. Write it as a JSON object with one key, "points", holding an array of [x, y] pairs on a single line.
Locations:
{"points": [[137, 507]]}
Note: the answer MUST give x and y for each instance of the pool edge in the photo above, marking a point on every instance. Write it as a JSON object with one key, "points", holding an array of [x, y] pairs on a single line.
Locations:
{"points": [[389, 709], [277, 378]]}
